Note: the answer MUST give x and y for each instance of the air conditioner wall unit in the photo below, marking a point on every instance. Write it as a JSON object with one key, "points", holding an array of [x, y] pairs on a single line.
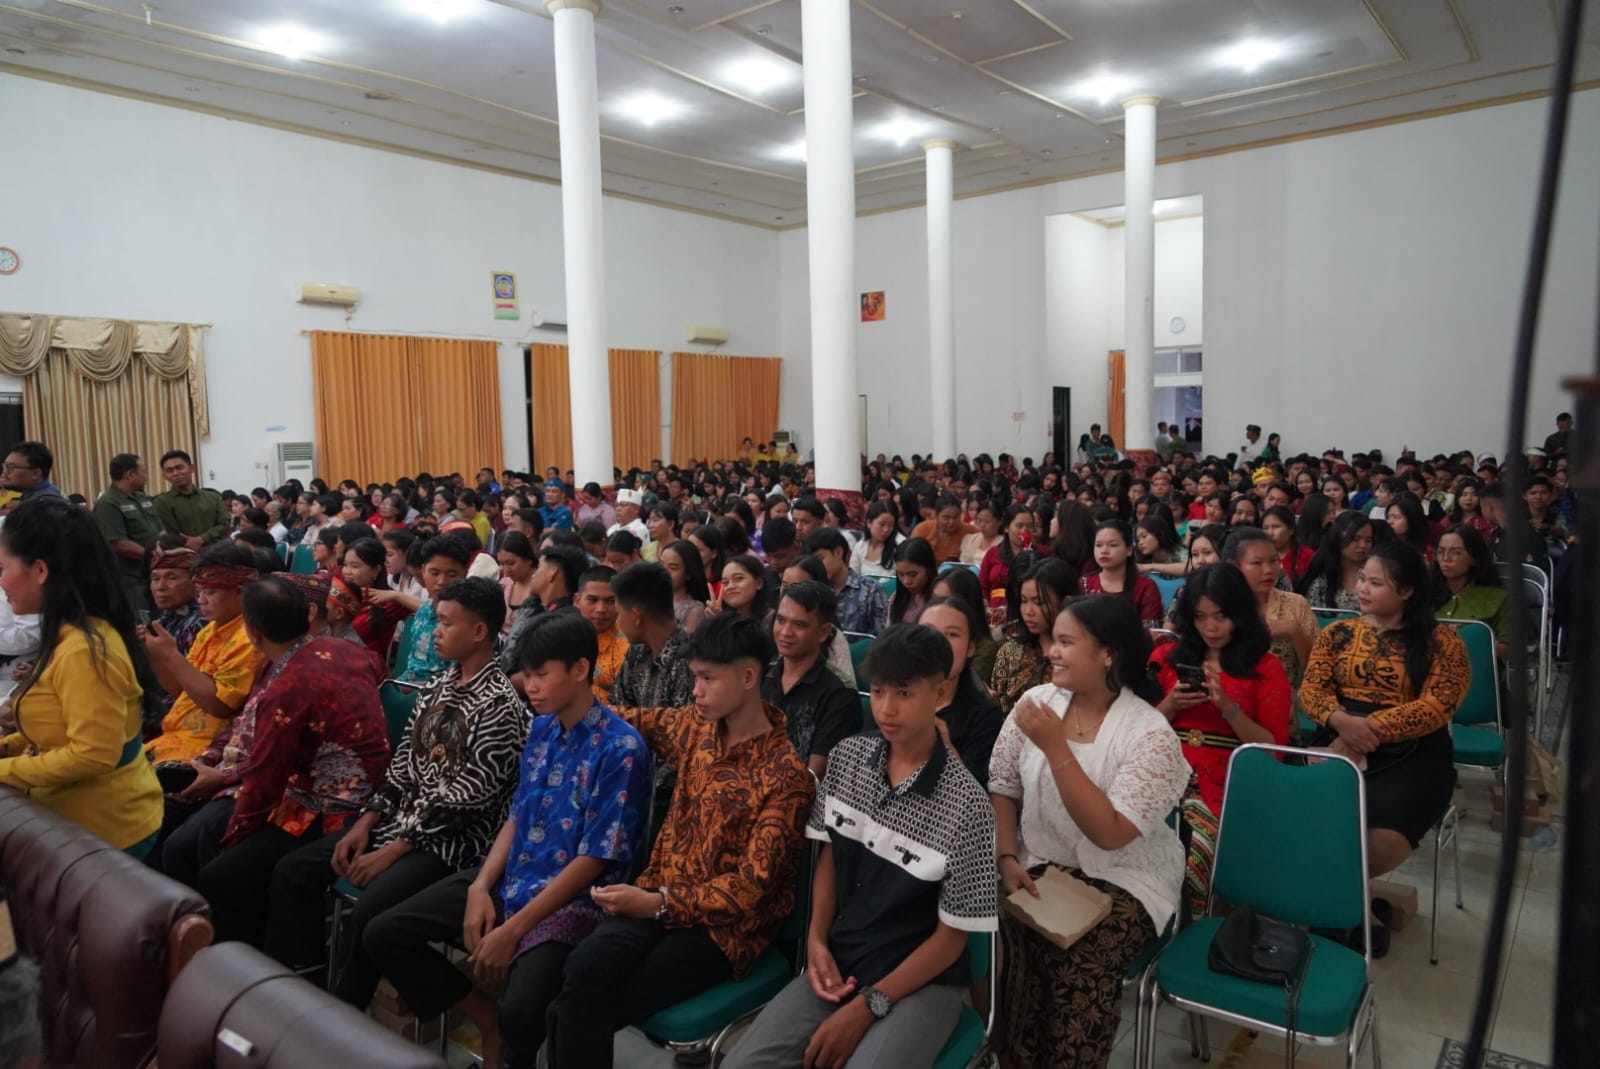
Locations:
{"points": [[327, 293], [701, 335], [297, 460]]}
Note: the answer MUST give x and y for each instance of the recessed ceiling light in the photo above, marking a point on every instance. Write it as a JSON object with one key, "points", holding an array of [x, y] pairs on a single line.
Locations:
{"points": [[649, 108], [441, 11], [900, 130], [1103, 88], [758, 75], [794, 151], [291, 42], [1249, 55]]}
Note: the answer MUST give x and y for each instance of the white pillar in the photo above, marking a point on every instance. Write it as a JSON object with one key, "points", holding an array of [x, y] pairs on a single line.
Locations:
{"points": [[1139, 263], [941, 297], [831, 239], [588, 361]]}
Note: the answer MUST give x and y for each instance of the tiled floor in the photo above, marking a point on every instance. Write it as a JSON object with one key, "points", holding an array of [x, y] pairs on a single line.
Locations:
{"points": [[1419, 1004]]}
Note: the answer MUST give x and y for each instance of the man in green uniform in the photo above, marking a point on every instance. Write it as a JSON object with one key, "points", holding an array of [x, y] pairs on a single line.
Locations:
{"points": [[127, 518], [197, 514]]}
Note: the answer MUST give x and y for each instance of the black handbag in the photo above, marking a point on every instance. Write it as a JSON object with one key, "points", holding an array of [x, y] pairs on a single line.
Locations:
{"points": [[1267, 952]]}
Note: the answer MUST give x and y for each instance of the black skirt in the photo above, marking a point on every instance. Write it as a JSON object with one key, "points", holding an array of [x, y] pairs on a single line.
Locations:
{"points": [[1409, 784]]}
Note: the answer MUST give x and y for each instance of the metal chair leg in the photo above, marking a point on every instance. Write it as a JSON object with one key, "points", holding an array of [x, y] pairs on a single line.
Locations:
{"points": [[1455, 851], [1377, 1058], [1205, 1038], [1433, 932], [335, 940]]}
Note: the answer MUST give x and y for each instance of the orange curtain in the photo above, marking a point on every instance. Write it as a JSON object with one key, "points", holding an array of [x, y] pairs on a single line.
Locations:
{"points": [[552, 407], [757, 381], [362, 391], [702, 408], [1116, 389], [458, 399], [635, 407], [389, 405]]}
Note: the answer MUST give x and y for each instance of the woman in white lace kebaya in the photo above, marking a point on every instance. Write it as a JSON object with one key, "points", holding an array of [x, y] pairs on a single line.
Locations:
{"points": [[1083, 778]]}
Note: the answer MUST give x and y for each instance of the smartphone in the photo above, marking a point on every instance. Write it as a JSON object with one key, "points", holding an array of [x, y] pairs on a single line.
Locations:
{"points": [[174, 776], [144, 617], [1190, 676]]}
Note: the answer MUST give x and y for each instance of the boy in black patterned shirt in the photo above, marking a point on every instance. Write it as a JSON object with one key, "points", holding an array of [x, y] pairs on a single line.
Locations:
{"points": [[906, 871]]}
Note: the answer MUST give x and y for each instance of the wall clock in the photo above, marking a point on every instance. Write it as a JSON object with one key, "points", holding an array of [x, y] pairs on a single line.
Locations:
{"points": [[9, 261]]}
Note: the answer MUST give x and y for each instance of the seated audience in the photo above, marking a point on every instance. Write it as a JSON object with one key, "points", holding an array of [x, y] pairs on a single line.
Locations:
{"points": [[81, 706], [627, 516], [808, 515], [969, 721], [986, 536], [994, 571], [747, 587], [374, 621], [177, 608], [1408, 524], [915, 568], [1294, 559], [1083, 778], [437, 810], [778, 541], [555, 513], [623, 549], [592, 508], [1382, 688], [445, 558], [518, 562], [1330, 582], [885, 935], [962, 584], [863, 606], [556, 580], [944, 532], [874, 558], [1119, 575], [690, 591], [597, 603], [819, 709], [526, 907], [655, 670], [1023, 661], [320, 748], [1466, 585], [721, 877], [1223, 687], [1159, 550], [1290, 621], [211, 684]]}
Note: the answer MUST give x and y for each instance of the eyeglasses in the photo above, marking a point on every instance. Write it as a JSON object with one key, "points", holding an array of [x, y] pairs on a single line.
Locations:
{"points": [[1449, 554], [8, 466]]}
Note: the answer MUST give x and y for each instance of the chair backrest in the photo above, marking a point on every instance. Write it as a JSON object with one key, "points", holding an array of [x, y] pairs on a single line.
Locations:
{"points": [[399, 699], [1481, 705], [859, 645], [1292, 838], [1328, 616], [398, 642], [303, 563], [1169, 587], [107, 932], [235, 1007], [889, 583], [283, 552]]}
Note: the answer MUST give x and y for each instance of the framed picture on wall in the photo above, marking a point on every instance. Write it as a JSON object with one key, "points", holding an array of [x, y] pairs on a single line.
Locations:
{"points": [[872, 307]]}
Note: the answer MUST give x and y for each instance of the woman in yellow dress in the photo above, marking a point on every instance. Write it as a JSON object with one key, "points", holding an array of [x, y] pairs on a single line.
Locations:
{"points": [[77, 748]]}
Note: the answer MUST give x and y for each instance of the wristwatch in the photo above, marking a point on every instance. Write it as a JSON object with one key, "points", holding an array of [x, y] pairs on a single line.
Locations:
{"points": [[661, 910], [877, 1002]]}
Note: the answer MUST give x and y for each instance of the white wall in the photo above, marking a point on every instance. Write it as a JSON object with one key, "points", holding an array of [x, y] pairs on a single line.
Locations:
{"points": [[150, 212], [1359, 290]]}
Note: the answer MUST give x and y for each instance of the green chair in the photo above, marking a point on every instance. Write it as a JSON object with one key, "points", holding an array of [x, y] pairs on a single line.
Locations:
{"points": [[968, 1045], [701, 1024], [302, 562], [1328, 616], [399, 699], [889, 583], [397, 644], [1475, 729], [859, 645], [1292, 842], [283, 552]]}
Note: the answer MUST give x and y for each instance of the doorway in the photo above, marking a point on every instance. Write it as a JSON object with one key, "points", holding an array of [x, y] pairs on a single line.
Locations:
{"points": [[1061, 424]]}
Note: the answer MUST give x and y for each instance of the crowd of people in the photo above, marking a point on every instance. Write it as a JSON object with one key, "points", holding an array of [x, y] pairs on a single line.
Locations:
{"points": [[633, 705]]}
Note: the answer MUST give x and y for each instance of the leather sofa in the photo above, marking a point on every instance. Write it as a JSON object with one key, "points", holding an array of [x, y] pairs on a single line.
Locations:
{"points": [[236, 1008], [108, 934]]}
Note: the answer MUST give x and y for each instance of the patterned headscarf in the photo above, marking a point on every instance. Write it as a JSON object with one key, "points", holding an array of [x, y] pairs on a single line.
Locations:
{"points": [[181, 559], [225, 577], [1262, 475], [340, 594], [315, 587]]}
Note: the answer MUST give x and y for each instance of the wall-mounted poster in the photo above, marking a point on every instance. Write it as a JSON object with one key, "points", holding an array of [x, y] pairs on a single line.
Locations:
{"points": [[505, 295], [872, 307]]}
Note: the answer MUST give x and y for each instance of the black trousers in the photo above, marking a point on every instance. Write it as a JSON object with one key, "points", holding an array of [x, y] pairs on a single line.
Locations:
{"points": [[624, 972], [192, 837], [398, 943], [297, 909], [174, 815], [237, 880]]}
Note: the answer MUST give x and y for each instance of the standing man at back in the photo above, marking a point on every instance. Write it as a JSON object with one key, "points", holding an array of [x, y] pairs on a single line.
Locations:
{"points": [[127, 519], [197, 514]]}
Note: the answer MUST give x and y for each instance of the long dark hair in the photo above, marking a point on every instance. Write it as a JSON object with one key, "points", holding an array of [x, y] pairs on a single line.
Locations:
{"points": [[1407, 568], [1308, 529], [1056, 583], [766, 597], [874, 510], [1006, 554], [1329, 559], [1158, 521], [82, 584], [1416, 535], [1114, 624], [1483, 572], [1074, 541], [1130, 567], [1456, 515], [1283, 515], [918, 551], [694, 569], [370, 552], [1227, 587]]}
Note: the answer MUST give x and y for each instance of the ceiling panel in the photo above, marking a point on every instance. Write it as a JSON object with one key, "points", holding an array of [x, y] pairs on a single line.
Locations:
{"points": [[1005, 79]]}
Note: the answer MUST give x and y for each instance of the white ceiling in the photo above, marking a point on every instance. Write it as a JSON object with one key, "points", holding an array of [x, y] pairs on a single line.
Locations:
{"points": [[1003, 77]]}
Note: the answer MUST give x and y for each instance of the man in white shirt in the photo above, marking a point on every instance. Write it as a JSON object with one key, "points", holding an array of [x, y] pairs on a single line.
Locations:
{"points": [[628, 502], [1252, 446]]}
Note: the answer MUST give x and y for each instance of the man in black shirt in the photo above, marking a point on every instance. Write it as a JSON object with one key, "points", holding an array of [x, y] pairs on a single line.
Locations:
{"points": [[821, 710]]}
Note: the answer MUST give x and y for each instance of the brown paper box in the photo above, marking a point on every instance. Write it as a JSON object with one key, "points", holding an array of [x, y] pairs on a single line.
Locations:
{"points": [[1065, 909]]}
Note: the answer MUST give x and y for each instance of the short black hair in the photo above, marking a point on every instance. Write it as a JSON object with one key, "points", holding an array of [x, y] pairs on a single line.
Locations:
{"points": [[777, 533], [258, 517], [570, 561], [600, 573], [814, 597], [122, 464], [227, 553], [811, 566], [906, 653], [729, 638], [482, 598], [255, 536], [451, 547], [176, 454], [562, 636], [37, 454], [645, 586], [811, 506], [593, 531], [827, 538], [624, 541], [469, 497], [275, 608]]}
